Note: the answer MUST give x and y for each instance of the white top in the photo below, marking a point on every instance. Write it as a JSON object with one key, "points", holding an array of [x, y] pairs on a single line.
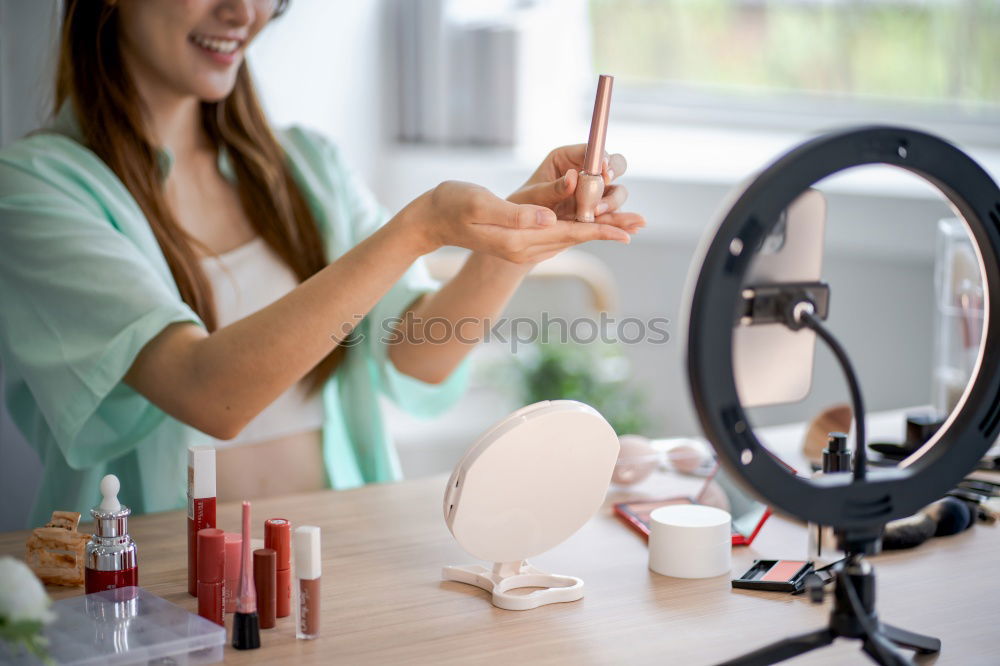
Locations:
{"points": [[201, 472], [244, 281], [306, 549]]}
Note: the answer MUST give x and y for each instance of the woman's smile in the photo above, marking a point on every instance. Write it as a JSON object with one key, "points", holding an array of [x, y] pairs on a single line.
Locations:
{"points": [[223, 50]]}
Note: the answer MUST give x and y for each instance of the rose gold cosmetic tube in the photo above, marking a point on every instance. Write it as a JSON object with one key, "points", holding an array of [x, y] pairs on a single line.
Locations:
{"points": [[590, 186]]}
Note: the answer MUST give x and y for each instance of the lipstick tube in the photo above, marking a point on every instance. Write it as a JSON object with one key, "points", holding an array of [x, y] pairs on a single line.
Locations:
{"points": [[201, 505], [590, 185], [111, 557], [264, 580], [278, 536], [211, 574], [234, 544], [308, 568]]}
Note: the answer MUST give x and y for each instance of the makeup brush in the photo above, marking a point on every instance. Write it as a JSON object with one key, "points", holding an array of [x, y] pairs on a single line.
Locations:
{"points": [[246, 624]]}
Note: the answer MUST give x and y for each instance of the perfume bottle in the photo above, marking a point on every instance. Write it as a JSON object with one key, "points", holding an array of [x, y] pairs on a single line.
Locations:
{"points": [[822, 538], [111, 560]]}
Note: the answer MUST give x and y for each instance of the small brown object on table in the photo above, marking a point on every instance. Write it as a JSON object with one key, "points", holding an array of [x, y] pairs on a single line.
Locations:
{"points": [[56, 551]]}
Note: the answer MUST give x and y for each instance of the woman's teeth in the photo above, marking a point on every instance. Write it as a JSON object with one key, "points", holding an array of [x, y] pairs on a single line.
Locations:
{"points": [[218, 45]]}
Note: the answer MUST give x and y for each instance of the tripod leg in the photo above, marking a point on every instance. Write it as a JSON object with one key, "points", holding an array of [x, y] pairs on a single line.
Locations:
{"points": [[919, 642], [784, 649], [883, 652]]}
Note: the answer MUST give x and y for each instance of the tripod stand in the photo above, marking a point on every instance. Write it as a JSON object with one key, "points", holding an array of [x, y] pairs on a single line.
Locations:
{"points": [[853, 616]]}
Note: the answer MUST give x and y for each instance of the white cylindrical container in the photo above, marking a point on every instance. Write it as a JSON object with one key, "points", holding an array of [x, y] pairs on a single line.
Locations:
{"points": [[690, 541]]}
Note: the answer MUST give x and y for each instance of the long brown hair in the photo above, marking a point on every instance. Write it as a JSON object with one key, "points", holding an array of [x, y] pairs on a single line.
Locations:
{"points": [[91, 75]]}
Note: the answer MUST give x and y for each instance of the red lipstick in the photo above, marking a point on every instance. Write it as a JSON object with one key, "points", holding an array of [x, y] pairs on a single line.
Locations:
{"points": [[278, 536], [246, 624], [211, 574]]}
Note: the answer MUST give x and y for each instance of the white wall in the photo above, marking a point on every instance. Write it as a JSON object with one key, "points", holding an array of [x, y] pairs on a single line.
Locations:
{"points": [[320, 65]]}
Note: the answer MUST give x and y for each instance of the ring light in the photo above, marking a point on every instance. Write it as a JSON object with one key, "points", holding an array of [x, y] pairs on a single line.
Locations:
{"points": [[972, 427]]}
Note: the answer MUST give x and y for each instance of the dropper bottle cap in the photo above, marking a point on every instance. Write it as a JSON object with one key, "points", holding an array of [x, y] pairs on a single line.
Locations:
{"points": [[110, 516]]}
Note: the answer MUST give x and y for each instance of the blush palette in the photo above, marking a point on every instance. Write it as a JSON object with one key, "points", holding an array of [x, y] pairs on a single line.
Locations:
{"points": [[775, 575]]}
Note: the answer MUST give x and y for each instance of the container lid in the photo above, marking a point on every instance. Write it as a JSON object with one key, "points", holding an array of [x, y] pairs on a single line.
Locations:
{"points": [[201, 472], [278, 535], [85, 633], [211, 555], [308, 560]]}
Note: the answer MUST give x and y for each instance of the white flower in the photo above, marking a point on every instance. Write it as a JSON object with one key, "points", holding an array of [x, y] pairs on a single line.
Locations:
{"points": [[22, 596]]}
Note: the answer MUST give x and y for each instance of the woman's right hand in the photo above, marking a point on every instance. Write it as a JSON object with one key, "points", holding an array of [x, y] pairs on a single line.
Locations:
{"points": [[470, 216]]}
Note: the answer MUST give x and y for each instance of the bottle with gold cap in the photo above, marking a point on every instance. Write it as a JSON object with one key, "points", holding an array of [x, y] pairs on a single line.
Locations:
{"points": [[111, 560]]}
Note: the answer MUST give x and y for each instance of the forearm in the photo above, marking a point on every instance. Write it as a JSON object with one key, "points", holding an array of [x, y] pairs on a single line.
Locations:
{"points": [[463, 310], [219, 381]]}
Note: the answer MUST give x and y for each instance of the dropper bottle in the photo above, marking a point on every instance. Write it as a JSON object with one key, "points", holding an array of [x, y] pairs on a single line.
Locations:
{"points": [[111, 558]]}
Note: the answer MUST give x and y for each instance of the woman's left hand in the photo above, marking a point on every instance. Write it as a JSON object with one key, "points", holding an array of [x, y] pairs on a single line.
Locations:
{"points": [[553, 185]]}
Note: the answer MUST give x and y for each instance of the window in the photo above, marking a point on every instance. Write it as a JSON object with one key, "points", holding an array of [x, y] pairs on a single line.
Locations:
{"points": [[808, 63]]}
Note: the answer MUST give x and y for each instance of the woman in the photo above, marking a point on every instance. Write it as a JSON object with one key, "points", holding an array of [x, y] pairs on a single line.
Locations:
{"points": [[173, 273]]}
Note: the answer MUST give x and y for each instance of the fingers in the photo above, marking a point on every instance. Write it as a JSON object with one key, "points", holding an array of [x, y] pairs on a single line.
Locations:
{"points": [[568, 157], [524, 246], [575, 232], [616, 166], [487, 208], [613, 199], [630, 222], [548, 193]]}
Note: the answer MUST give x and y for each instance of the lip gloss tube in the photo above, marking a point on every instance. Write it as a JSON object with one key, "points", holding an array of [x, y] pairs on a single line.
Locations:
{"points": [[308, 568], [246, 623], [278, 536], [590, 186], [201, 505], [211, 574], [234, 544]]}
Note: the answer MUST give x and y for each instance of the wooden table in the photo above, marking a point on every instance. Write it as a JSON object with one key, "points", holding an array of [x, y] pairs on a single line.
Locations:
{"points": [[384, 602]]}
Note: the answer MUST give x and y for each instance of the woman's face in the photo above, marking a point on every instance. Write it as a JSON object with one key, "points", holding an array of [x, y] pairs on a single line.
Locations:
{"points": [[190, 47]]}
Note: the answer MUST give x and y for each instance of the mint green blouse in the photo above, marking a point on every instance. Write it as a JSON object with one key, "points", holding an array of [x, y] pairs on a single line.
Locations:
{"points": [[84, 286]]}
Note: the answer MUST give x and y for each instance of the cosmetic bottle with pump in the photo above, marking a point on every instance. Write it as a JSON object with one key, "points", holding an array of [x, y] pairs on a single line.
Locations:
{"points": [[822, 539], [111, 556]]}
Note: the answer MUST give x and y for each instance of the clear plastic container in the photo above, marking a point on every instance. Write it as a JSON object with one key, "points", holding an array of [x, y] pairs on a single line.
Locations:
{"points": [[127, 625], [958, 316]]}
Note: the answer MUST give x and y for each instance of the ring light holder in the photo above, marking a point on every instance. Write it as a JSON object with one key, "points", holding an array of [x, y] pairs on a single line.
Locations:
{"points": [[525, 486], [857, 508]]}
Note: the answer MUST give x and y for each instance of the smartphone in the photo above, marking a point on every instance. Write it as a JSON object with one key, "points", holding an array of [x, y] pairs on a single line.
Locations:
{"points": [[772, 364]]}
